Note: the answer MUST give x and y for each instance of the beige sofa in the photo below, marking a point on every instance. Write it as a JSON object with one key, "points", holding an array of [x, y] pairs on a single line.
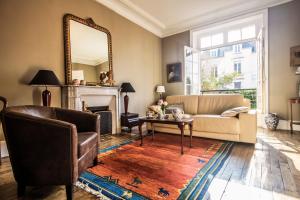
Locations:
{"points": [[206, 110]]}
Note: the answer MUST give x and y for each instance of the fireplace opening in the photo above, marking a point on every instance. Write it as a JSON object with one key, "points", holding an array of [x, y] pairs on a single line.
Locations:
{"points": [[105, 118]]}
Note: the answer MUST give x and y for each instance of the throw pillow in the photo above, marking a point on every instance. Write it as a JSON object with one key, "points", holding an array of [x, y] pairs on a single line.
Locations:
{"points": [[171, 107], [234, 111]]}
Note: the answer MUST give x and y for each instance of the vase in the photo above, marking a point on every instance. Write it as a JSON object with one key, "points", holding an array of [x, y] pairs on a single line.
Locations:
{"points": [[272, 121], [161, 115]]}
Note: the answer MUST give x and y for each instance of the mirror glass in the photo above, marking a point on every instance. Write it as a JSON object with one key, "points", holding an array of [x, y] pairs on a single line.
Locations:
{"points": [[89, 54]]}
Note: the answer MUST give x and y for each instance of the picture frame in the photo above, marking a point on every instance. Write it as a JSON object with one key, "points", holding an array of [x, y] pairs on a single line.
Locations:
{"points": [[295, 56], [174, 72]]}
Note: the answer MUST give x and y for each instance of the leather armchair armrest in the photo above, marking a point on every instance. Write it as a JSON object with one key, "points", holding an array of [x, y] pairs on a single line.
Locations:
{"points": [[248, 126], [85, 122], [49, 149]]}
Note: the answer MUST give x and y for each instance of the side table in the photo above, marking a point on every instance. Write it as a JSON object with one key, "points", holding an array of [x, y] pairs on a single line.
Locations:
{"points": [[129, 120], [295, 100]]}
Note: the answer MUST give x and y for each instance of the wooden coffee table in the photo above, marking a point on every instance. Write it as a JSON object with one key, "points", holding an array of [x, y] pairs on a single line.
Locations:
{"points": [[179, 123]]}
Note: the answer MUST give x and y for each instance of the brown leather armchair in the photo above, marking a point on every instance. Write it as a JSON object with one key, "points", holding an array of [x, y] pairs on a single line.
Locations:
{"points": [[4, 104], [50, 146]]}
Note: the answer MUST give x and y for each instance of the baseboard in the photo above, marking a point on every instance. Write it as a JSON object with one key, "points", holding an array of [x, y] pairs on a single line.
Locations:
{"points": [[285, 125], [4, 152]]}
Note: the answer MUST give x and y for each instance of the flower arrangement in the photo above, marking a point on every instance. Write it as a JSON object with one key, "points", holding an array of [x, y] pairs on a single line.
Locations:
{"points": [[160, 108], [163, 105]]}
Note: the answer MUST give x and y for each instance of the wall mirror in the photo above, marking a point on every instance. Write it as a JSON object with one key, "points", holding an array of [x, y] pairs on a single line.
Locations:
{"points": [[88, 54]]}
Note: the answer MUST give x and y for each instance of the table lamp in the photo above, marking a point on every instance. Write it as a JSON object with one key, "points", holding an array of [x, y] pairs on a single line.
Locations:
{"points": [[126, 87], [160, 89], [45, 78]]}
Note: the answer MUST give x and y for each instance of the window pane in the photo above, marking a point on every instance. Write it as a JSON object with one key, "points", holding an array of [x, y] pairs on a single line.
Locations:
{"points": [[248, 32], [217, 39], [205, 42], [234, 35], [227, 69]]}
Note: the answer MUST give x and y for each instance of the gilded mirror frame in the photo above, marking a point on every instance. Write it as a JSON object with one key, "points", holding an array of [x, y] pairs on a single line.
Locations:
{"points": [[67, 45]]}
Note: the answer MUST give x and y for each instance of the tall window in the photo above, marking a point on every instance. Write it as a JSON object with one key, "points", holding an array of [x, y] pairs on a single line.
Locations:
{"points": [[228, 57]]}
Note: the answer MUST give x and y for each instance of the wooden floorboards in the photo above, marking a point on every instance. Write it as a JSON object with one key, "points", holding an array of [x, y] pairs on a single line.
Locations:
{"points": [[268, 170]]}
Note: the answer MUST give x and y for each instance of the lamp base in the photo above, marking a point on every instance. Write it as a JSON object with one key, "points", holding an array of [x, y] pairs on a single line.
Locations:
{"points": [[126, 101], [46, 96]]}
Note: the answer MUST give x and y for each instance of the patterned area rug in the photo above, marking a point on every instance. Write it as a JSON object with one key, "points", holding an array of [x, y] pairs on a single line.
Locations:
{"points": [[156, 170]]}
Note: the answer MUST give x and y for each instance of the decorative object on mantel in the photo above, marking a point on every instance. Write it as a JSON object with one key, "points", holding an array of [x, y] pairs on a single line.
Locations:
{"points": [[126, 87], [295, 58], [102, 77], [94, 54], [160, 89], [76, 82], [174, 73], [82, 82], [272, 121], [45, 78]]}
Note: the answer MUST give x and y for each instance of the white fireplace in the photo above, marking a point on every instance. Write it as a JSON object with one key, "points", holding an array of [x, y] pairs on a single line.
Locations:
{"points": [[73, 96]]}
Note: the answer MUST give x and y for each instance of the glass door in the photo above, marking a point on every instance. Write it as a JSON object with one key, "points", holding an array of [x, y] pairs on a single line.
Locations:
{"points": [[261, 78], [192, 71]]}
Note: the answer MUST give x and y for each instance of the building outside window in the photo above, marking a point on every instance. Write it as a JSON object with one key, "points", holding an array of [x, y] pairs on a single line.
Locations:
{"points": [[228, 56], [238, 67]]}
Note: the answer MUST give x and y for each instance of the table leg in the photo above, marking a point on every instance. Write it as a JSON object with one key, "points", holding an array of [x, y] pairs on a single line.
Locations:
{"points": [[291, 122], [181, 127], [141, 132], [191, 133], [152, 131]]}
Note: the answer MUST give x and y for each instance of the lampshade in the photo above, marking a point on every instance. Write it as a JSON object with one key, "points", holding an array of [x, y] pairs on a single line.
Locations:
{"points": [[127, 87], [45, 77], [160, 89]]}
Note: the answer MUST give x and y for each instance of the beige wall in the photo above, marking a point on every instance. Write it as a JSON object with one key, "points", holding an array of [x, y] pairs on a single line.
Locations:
{"points": [[173, 51], [284, 32], [31, 38]]}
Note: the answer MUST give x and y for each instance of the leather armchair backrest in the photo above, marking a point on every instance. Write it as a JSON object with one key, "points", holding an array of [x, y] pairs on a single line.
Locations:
{"points": [[37, 111], [43, 151]]}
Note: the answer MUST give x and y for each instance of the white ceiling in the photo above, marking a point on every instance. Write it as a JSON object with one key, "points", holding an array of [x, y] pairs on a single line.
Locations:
{"points": [[88, 45], [167, 17]]}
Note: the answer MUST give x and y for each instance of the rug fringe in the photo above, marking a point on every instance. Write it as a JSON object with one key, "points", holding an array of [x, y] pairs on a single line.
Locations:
{"points": [[86, 188]]}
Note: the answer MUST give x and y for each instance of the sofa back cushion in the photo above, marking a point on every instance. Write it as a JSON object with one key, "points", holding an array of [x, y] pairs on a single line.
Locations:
{"points": [[218, 103], [190, 102]]}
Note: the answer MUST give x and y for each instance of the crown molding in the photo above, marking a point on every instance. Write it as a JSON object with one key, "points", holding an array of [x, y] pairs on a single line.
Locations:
{"points": [[139, 16], [135, 14]]}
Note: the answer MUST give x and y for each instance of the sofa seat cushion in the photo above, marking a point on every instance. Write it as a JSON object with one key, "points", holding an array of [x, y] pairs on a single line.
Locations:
{"points": [[86, 142], [216, 124]]}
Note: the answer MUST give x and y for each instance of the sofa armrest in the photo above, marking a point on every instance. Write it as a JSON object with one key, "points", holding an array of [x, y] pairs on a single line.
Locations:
{"points": [[85, 122], [248, 126], [42, 146]]}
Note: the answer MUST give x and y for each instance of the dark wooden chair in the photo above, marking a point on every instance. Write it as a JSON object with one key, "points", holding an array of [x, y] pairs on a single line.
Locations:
{"points": [[4, 104]]}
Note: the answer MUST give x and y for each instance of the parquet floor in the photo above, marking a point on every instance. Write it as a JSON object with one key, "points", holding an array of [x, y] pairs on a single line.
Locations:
{"points": [[268, 170]]}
